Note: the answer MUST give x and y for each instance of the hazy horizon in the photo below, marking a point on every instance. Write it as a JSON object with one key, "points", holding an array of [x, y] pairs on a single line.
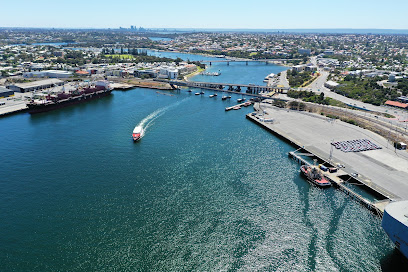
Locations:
{"points": [[239, 30], [257, 14]]}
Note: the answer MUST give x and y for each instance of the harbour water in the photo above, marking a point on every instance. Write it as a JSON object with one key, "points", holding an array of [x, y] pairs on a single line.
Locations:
{"points": [[204, 190]]}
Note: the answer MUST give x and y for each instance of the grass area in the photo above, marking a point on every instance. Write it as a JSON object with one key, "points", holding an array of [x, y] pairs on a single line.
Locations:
{"points": [[199, 70], [313, 76], [297, 79], [253, 54]]}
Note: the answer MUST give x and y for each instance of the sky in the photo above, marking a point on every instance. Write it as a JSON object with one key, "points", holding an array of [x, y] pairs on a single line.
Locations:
{"points": [[238, 14]]}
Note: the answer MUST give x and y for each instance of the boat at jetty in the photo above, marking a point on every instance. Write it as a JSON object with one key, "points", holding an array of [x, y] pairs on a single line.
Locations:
{"points": [[266, 79], [137, 133], [210, 73], [395, 224], [63, 99], [313, 174]]}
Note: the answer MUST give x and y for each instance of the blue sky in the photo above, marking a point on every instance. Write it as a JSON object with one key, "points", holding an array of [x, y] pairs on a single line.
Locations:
{"points": [[254, 14]]}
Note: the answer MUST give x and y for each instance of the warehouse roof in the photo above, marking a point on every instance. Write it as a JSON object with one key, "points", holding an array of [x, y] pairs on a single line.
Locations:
{"points": [[396, 104], [38, 83]]}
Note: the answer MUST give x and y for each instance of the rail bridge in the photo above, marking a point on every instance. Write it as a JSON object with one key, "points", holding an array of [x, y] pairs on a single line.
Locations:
{"points": [[251, 89], [246, 60]]}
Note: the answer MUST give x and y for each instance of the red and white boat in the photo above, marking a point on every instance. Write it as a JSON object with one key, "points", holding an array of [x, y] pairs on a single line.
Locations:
{"points": [[137, 133], [314, 175]]}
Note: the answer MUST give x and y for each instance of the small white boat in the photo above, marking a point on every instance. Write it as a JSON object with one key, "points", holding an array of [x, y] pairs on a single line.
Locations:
{"points": [[211, 95], [137, 133], [197, 93]]}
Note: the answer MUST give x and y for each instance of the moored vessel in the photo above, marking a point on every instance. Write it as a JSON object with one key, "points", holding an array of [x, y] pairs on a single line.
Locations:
{"points": [[63, 99], [395, 224], [313, 174]]}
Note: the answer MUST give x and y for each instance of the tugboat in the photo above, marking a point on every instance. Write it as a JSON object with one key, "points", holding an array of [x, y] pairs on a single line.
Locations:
{"points": [[313, 174], [137, 133]]}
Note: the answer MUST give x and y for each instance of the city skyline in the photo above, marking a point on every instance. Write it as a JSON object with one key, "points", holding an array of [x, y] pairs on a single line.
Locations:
{"points": [[259, 14]]}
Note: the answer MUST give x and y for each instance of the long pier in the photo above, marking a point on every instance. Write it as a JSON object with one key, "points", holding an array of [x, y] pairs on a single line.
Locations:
{"points": [[251, 89]]}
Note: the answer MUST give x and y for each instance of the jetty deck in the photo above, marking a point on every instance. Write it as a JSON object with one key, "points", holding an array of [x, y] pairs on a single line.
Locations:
{"points": [[245, 104], [384, 170]]}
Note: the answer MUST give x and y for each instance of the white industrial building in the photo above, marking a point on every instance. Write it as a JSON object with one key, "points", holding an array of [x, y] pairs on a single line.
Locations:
{"points": [[331, 85], [168, 72], [48, 73]]}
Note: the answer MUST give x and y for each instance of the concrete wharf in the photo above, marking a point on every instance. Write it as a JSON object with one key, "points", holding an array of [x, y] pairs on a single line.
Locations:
{"points": [[381, 173], [11, 108]]}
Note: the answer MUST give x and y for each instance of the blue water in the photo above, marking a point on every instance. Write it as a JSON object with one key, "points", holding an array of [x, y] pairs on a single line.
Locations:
{"points": [[240, 73], [160, 39], [204, 190], [183, 56]]}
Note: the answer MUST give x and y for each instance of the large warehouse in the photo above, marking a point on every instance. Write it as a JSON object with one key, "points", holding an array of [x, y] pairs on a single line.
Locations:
{"points": [[35, 85]]}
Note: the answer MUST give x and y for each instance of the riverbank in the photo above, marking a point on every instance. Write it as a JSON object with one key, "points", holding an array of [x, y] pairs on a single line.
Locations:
{"points": [[126, 83], [199, 70]]}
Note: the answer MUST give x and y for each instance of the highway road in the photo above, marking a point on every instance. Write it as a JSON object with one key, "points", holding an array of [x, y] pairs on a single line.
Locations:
{"points": [[317, 86]]}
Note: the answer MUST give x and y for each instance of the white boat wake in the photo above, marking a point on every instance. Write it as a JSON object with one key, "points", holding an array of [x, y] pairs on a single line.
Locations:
{"points": [[148, 121]]}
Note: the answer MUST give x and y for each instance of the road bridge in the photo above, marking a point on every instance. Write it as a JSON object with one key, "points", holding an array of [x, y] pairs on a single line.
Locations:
{"points": [[251, 89], [246, 60]]}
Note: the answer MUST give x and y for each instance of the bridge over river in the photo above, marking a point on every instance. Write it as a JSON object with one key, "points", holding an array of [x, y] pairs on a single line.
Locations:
{"points": [[247, 60], [251, 89]]}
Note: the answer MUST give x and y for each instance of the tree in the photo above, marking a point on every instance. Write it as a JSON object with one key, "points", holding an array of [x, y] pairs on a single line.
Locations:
{"points": [[321, 97]]}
